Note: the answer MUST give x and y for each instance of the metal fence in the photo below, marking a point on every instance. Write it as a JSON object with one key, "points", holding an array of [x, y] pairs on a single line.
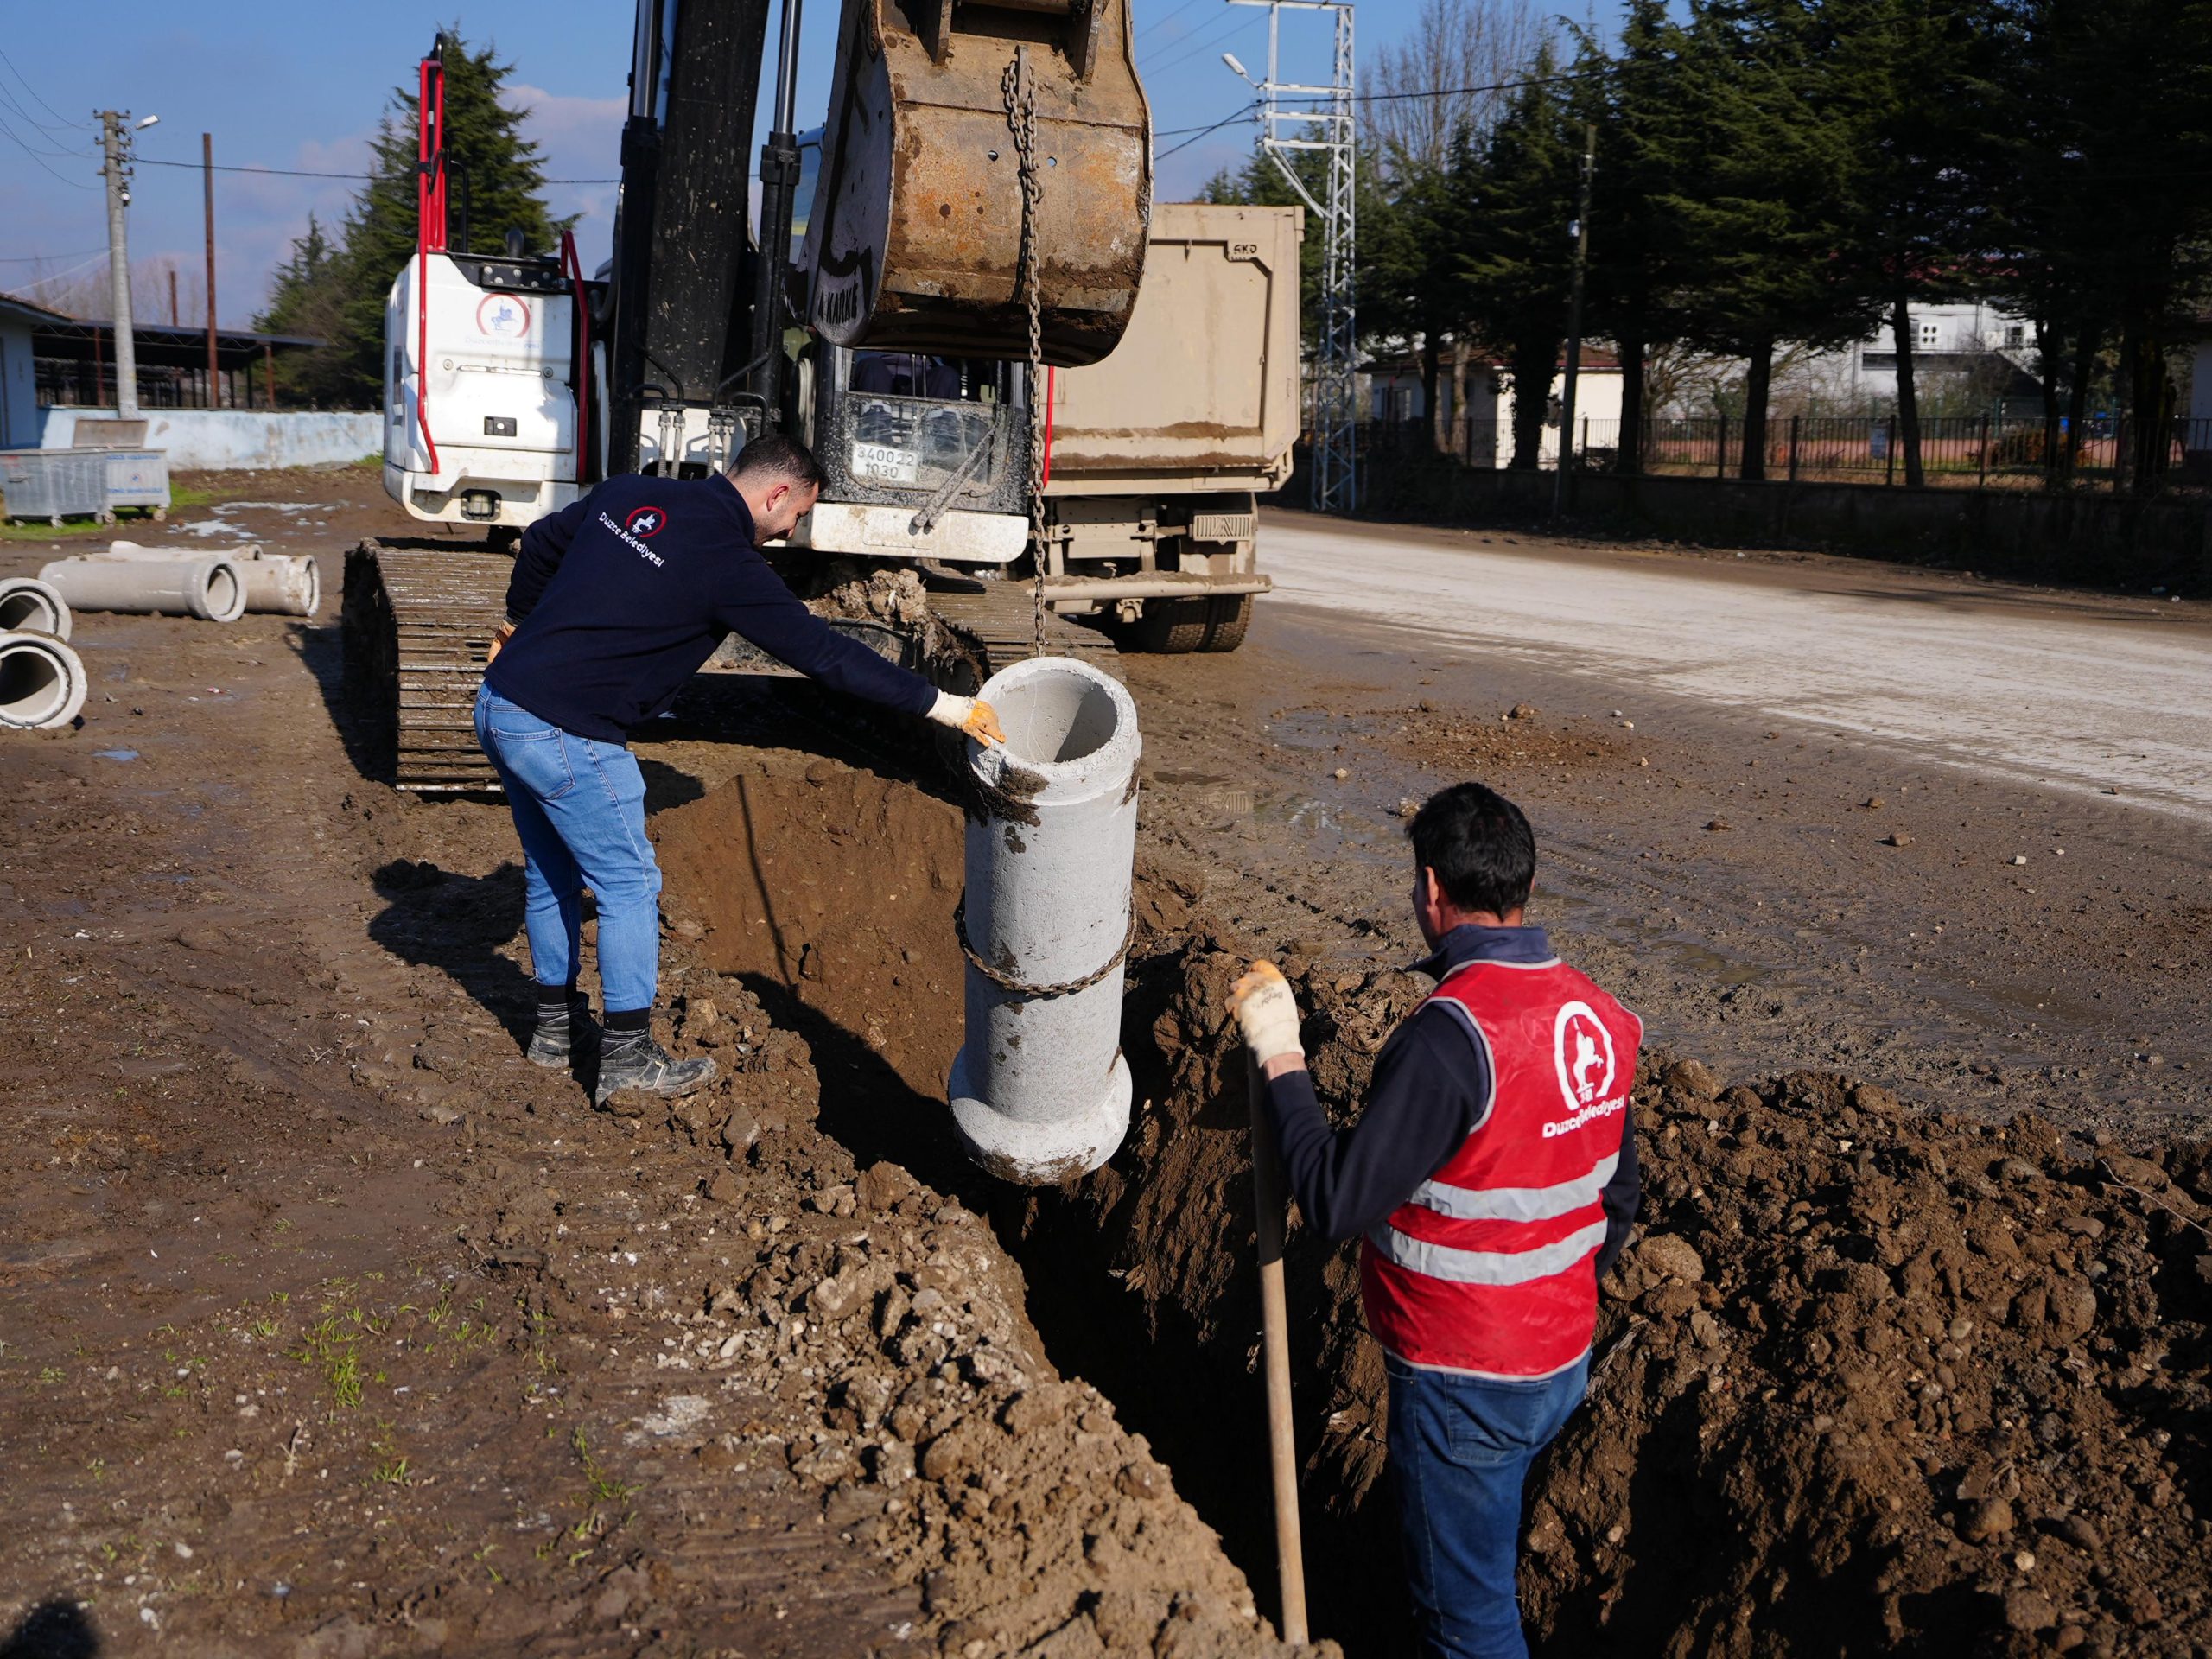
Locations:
{"points": [[1983, 451]]}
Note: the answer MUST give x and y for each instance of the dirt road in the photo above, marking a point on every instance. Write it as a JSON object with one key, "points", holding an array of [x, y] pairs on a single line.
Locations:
{"points": [[2064, 692], [1791, 804]]}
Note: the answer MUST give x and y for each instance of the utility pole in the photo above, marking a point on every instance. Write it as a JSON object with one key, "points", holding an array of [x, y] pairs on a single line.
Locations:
{"points": [[1331, 129], [115, 148], [207, 191], [1574, 317]]}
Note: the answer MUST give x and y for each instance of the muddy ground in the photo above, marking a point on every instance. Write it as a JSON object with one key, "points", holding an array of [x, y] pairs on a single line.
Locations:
{"points": [[332, 1327]]}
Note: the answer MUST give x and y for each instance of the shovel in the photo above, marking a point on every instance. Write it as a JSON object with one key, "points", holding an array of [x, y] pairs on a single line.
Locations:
{"points": [[1268, 1205]]}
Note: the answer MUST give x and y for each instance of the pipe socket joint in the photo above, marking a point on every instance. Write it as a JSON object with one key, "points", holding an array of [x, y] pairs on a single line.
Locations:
{"points": [[1039, 1090], [29, 606], [41, 682]]}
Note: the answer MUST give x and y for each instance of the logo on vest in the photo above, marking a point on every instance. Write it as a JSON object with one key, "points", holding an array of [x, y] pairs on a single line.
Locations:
{"points": [[1583, 1050], [645, 522]]}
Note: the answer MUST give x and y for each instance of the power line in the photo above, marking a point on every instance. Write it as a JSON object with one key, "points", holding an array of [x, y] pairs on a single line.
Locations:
{"points": [[41, 159], [1162, 23], [1206, 37], [41, 258], [76, 126], [1236, 115], [301, 172]]}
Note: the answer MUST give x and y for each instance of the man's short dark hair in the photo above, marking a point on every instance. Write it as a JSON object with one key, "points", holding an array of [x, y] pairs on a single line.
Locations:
{"points": [[1480, 846], [772, 458]]}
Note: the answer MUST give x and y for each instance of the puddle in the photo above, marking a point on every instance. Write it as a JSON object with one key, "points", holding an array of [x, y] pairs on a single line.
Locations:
{"points": [[117, 754]]}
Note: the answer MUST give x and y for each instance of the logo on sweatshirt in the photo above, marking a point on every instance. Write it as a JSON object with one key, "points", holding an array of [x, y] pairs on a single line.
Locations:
{"points": [[645, 522]]}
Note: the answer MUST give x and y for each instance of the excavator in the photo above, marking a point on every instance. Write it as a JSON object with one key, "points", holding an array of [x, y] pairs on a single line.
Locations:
{"points": [[971, 217]]}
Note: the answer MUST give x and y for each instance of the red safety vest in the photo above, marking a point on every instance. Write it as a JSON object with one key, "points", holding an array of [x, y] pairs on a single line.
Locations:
{"points": [[1488, 1267]]}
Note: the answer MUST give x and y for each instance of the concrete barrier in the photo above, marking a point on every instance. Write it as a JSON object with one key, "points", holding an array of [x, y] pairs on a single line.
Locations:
{"points": [[246, 439]]}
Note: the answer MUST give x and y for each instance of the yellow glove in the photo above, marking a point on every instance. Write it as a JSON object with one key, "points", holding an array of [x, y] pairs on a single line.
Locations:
{"points": [[1264, 1007], [970, 715]]}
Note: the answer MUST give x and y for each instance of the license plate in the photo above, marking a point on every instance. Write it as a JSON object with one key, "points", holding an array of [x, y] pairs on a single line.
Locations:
{"points": [[882, 464]]}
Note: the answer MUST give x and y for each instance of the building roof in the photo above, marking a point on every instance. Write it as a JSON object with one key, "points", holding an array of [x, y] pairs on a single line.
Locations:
{"points": [[160, 345], [15, 310]]}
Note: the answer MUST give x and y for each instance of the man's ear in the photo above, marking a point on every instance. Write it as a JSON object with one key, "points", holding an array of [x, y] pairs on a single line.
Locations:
{"points": [[774, 498]]}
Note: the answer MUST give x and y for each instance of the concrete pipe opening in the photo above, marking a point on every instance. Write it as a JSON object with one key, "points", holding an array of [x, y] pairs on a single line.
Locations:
{"points": [[42, 682], [222, 595], [29, 606], [1039, 1090]]}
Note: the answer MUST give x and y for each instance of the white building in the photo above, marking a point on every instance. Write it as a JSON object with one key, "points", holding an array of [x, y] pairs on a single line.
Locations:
{"points": [[1394, 396], [1971, 353]]}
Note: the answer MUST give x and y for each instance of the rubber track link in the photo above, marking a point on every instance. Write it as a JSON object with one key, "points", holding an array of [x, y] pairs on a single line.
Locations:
{"points": [[997, 628], [418, 624]]}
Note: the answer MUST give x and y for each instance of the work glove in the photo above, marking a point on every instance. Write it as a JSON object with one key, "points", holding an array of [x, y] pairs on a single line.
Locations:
{"points": [[970, 715], [1264, 1007], [500, 635]]}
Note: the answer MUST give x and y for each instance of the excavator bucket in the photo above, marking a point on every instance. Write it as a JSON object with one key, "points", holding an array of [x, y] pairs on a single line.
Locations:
{"points": [[915, 242]]}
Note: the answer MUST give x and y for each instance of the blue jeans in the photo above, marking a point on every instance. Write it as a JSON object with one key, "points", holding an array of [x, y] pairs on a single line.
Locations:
{"points": [[1460, 1447], [580, 810]]}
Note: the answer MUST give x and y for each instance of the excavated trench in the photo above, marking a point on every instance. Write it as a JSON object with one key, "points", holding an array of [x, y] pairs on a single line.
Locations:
{"points": [[1872, 1379]]}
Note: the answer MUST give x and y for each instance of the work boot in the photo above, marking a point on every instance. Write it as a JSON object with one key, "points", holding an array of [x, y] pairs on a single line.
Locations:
{"points": [[633, 1060], [563, 1031]]}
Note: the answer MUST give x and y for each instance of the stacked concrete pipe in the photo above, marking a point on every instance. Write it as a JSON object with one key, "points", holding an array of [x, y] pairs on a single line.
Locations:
{"points": [[1039, 1090], [209, 587], [42, 682], [279, 584], [29, 606]]}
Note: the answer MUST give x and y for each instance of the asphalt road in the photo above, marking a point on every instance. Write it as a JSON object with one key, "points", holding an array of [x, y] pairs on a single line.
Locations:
{"points": [[2044, 688]]}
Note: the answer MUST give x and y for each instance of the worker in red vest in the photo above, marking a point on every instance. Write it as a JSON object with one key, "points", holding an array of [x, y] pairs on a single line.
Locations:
{"points": [[1491, 1179]]}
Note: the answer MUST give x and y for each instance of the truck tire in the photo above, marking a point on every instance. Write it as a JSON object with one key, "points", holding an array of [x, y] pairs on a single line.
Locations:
{"points": [[1230, 615], [1173, 626]]}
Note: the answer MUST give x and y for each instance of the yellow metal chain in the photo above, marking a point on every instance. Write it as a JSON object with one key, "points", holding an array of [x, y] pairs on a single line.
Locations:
{"points": [[1018, 89]]}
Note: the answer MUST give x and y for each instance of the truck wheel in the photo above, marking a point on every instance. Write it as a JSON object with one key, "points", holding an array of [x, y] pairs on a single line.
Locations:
{"points": [[1173, 625], [1229, 615]]}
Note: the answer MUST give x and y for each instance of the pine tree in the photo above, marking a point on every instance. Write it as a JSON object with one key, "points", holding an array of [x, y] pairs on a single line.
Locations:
{"points": [[1511, 205], [495, 183], [1764, 216], [307, 299]]}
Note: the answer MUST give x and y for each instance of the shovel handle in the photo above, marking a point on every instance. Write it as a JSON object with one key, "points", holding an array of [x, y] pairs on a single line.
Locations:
{"points": [[1268, 1207]]}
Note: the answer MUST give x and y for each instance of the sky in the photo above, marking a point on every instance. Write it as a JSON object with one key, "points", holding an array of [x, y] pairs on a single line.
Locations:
{"points": [[300, 85]]}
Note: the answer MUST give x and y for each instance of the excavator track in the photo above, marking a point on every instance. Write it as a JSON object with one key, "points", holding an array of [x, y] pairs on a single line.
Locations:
{"points": [[995, 627], [419, 618]]}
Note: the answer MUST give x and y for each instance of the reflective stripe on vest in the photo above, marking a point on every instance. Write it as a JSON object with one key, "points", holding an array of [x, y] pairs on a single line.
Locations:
{"points": [[1486, 1266]]}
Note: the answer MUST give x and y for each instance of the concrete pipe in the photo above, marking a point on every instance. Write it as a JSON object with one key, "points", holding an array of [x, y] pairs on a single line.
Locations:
{"points": [[280, 584], [1039, 1090], [29, 606], [42, 682], [210, 588]]}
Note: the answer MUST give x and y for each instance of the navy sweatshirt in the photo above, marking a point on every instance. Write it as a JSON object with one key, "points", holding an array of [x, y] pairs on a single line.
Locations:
{"points": [[619, 597], [1432, 1084]]}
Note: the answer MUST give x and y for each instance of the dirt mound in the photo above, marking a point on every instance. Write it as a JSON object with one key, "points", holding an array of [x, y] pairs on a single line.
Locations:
{"points": [[1932, 1385], [1870, 1381]]}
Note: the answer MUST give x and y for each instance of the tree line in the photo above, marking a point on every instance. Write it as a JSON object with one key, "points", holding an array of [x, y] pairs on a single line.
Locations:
{"points": [[1774, 175]]}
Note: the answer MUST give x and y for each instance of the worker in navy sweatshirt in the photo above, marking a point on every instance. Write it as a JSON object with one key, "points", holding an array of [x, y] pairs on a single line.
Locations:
{"points": [[616, 601], [1491, 1181]]}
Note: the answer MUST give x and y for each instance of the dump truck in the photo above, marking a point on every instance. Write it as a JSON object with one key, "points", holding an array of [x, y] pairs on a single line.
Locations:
{"points": [[1158, 453]]}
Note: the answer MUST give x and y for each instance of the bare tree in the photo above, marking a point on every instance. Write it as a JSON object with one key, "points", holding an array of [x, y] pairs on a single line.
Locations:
{"points": [[81, 290], [1414, 104]]}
